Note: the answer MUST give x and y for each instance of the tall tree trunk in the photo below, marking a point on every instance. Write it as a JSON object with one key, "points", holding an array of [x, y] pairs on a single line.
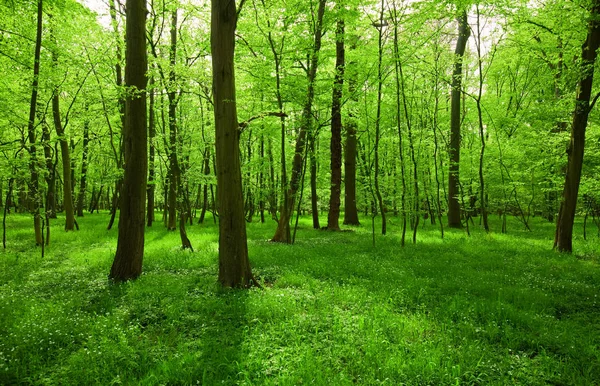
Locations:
{"points": [[455, 120], [282, 234], [482, 194], [84, 165], [174, 172], [130, 245], [261, 181], [151, 179], [336, 131], [51, 175], [206, 175], [378, 122], [350, 210], [314, 199], [234, 265], [118, 151], [66, 161], [563, 240], [34, 182]]}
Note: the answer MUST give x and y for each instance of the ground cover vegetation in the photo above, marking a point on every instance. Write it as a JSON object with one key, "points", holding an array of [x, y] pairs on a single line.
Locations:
{"points": [[489, 309], [453, 147]]}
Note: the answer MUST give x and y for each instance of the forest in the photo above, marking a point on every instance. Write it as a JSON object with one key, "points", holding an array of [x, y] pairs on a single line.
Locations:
{"points": [[281, 192]]}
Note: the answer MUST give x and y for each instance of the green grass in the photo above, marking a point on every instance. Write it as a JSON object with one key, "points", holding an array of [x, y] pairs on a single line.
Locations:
{"points": [[489, 309]]}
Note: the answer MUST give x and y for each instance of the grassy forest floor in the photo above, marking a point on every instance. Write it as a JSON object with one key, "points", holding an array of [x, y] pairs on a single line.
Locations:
{"points": [[486, 309]]}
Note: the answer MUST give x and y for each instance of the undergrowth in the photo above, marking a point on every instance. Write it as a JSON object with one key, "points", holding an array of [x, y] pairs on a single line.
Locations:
{"points": [[487, 309]]}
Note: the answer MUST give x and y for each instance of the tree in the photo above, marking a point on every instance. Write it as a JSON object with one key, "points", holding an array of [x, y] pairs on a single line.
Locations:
{"points": [[563, 239], [336, 131], [234, 265], [282, 234], [34, 184], [455, 123], [130, 245]]}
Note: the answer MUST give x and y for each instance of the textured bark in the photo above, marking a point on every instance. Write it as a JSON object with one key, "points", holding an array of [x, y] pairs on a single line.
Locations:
{"points": [[234, 266], [455, 122], [333, 216], [34, 182], [130, 245], [563, 240]]}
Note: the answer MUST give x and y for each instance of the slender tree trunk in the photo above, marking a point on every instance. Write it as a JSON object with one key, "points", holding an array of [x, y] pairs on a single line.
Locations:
{"points": [[261, 182], [314, 199], [51, 175], [399, 126], [151, 169], [130, 245], [336, 131], [455, 121], [563, 240], [350, 210], [378, 122], [234, 265], [174, 172], [118, 151], [84, 165], [282, 234], [66, 163], [482, 195], [34, 182]]}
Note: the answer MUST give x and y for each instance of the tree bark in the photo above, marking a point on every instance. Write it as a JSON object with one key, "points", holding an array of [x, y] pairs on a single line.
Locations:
{"points": [[174, 173], [234, 265], [336, 131], [34, 182], [314, 199], [51, 176], [66, 160], [378, 123], [151, 134], [84, 164], [455, 121], [282, 234], [563, 240], [130, 245], [350, 209]]}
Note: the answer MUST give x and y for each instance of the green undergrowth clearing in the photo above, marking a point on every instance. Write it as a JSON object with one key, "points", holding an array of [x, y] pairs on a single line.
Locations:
{"points": [[486, 309]]}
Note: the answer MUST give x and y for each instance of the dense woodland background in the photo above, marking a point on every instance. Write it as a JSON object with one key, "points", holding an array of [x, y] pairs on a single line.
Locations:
{"points": [[519, 75], [421, 156]]}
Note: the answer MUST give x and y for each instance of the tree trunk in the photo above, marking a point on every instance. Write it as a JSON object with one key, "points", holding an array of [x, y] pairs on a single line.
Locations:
{"points": [[336, 131], [174, 173], [130, 245], [350, 210], [378, 123], [34, 182], [563, 240], [151, 134], [83, 179], [66, 163], [282, 234], [455, 121], [234, 265], [51, 176], [314, 199]]}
